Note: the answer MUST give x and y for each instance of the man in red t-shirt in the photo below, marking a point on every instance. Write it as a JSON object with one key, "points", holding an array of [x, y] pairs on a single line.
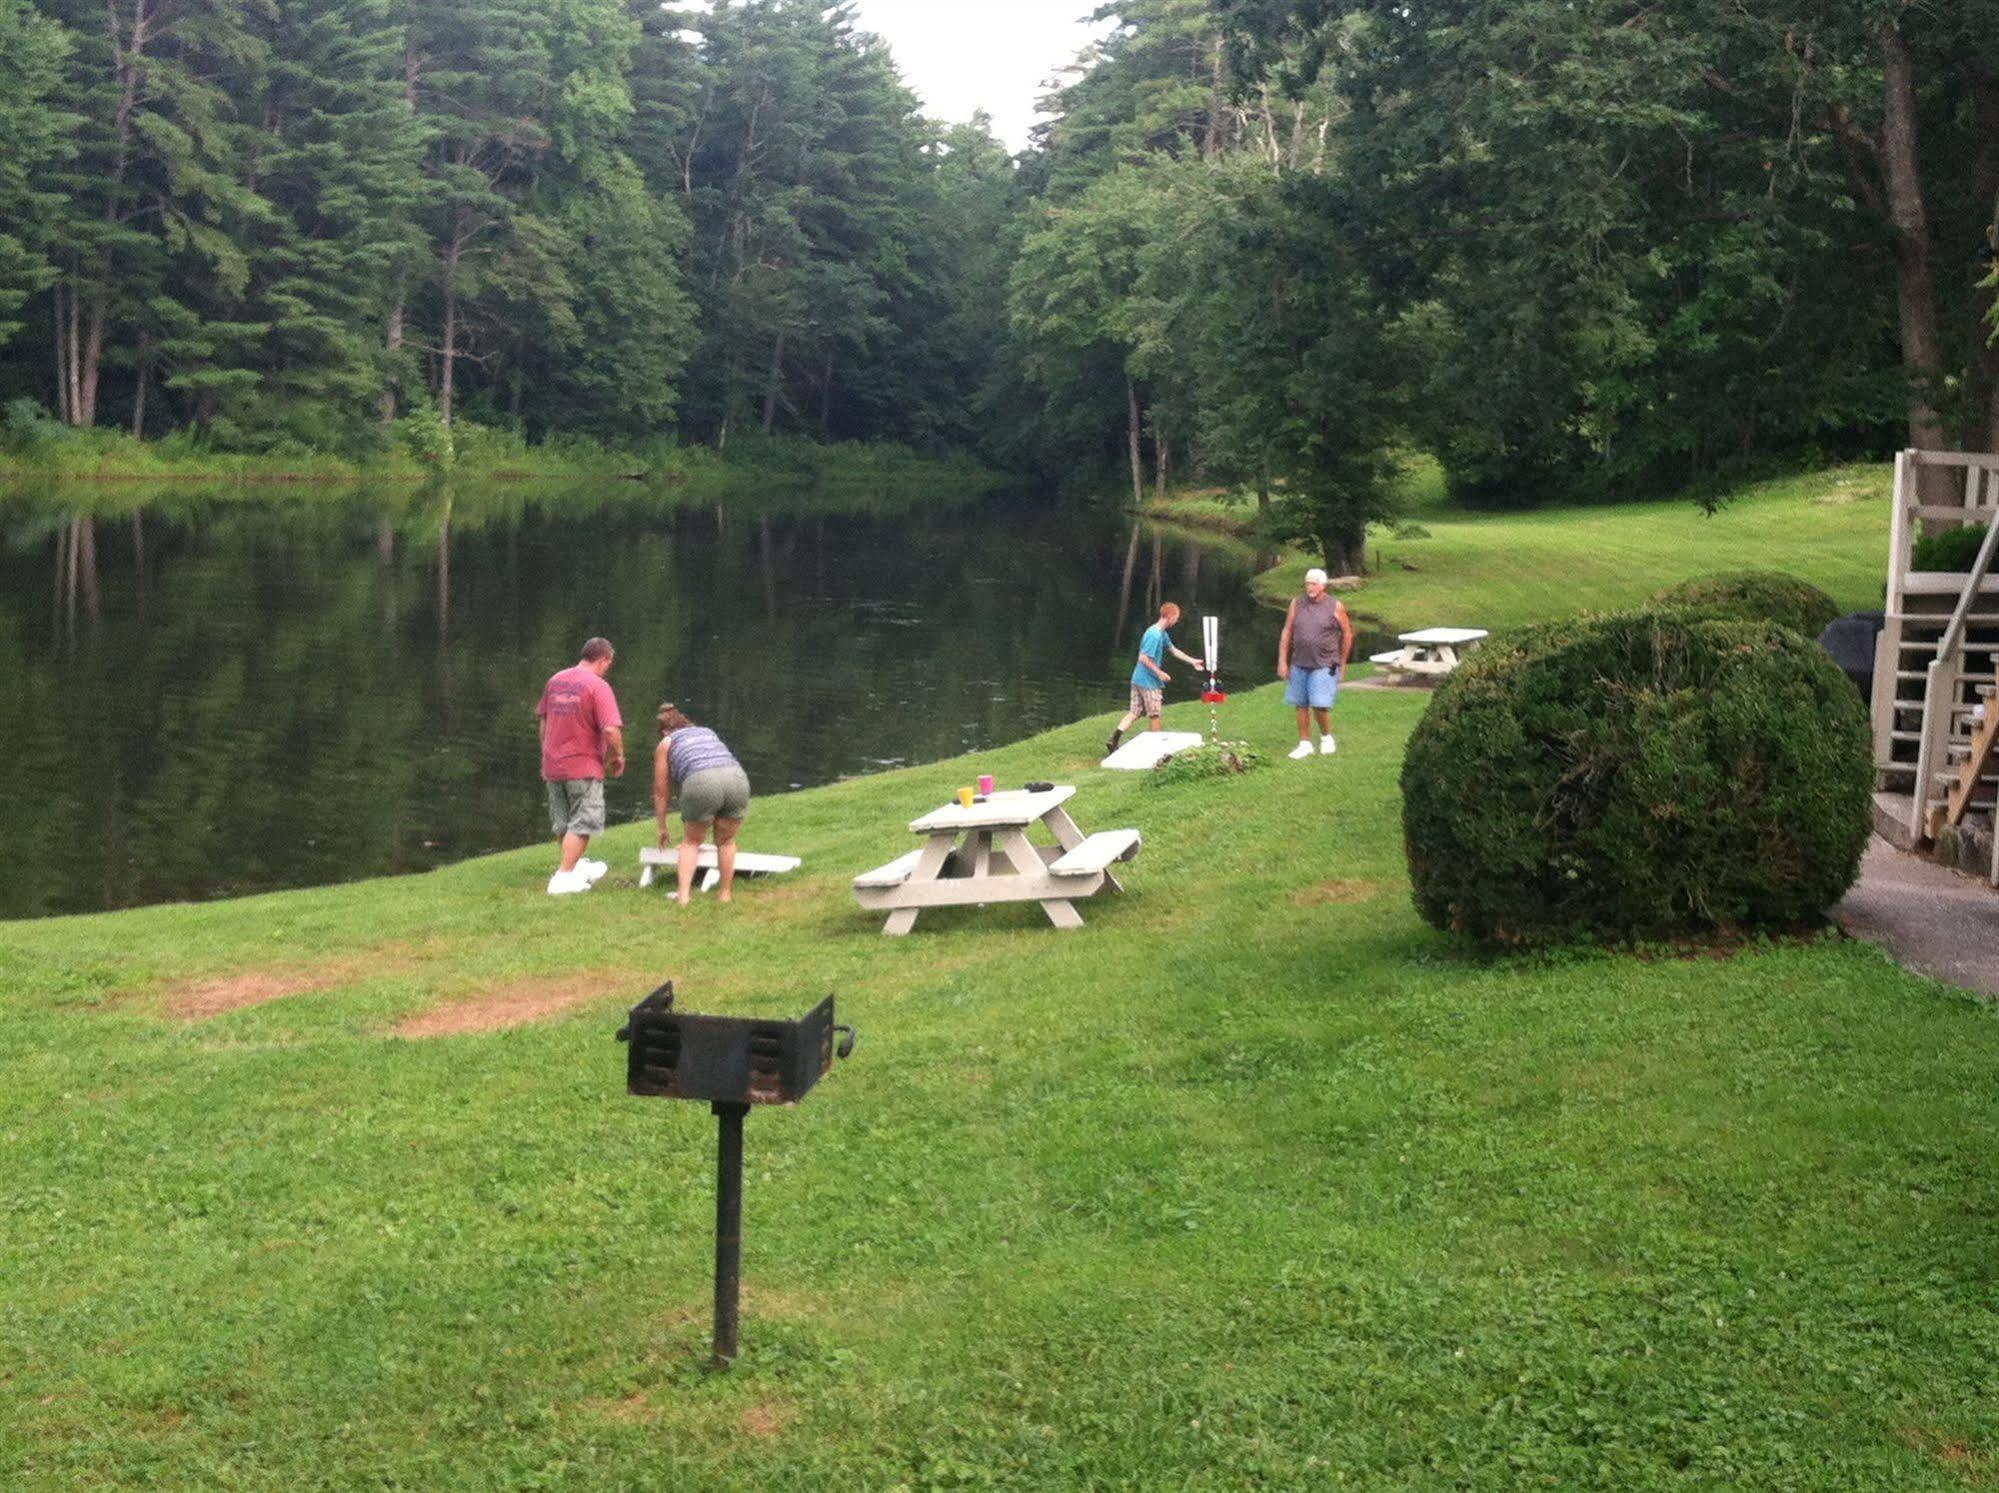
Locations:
{"points": [[581, 734]]}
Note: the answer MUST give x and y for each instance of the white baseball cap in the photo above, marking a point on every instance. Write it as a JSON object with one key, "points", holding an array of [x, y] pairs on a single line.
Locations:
{"points": [[1315, 574]]}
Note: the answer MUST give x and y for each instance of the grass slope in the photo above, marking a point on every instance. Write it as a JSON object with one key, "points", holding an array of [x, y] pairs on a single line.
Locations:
{"points": [[1497, 569], [1254, 1181]]}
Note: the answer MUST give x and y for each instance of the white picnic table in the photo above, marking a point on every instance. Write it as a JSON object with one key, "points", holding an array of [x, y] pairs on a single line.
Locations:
{"points": [[1430, 650], [974, 855]]}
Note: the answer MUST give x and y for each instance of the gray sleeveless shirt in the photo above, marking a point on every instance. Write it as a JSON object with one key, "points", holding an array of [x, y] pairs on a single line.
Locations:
{"points": [[1316, 638]]}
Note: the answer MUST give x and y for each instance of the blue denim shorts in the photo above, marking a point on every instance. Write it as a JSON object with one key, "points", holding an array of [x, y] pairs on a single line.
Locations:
{"points": [[1311, 687]]}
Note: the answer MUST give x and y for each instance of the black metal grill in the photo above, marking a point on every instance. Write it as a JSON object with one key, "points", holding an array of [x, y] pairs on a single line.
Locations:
{"points": [[726, 1059], [732, 1062]]}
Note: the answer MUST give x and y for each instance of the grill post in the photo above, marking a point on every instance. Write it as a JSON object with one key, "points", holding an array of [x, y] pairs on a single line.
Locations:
{"points": [[728, 1227]]}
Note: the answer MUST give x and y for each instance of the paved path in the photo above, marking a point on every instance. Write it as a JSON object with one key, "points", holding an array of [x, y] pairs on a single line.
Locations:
{"points": [[1933, 920]]}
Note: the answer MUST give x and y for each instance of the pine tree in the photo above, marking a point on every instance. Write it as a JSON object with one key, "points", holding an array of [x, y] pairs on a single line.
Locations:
{"points": [[33, 51]]}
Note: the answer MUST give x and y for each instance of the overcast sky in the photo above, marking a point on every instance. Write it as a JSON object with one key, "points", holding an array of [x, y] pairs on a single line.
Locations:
{"points": [[962, 55]]}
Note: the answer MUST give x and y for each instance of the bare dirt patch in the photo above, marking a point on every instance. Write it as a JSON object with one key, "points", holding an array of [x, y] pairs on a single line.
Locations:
{"points": [[521, 1003], [1974, 1465], [634, 1409], [1340, 891], [764, 1419], [206, 996], [201, 999]]}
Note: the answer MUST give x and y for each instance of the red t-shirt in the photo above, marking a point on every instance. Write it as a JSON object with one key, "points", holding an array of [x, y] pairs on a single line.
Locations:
{"points": [[579, 708]]}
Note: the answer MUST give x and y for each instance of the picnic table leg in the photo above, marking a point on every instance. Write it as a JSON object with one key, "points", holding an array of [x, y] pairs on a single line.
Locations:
{"points": [[1063, 914], [1016, 847], [981, 848], [936, 850]]}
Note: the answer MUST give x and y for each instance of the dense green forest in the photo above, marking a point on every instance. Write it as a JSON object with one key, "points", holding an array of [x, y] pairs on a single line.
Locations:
{"points": [[1571, 246]]}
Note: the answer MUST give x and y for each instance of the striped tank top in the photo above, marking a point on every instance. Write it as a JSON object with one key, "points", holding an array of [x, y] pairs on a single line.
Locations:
{"points": [[694, 749]]}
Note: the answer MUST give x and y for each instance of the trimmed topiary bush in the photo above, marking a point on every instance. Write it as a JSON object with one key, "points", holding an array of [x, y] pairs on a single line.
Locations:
{"points": [[1650, 775], [1756, 596]]}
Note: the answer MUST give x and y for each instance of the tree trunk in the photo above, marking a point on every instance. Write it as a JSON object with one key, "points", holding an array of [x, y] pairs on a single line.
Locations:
{"points": [[1162, 459], [1985, 189], [139, 395], [826, 401], [448, 354], [61, 341], [93, 358], [1211, 142], [1137, 457], [771, 382], [1915, 273], [392, 342], [1263, 488], [1345, 546]]}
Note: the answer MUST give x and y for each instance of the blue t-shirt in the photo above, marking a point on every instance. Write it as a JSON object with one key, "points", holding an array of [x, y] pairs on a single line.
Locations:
{"points": [[1153, 645]]}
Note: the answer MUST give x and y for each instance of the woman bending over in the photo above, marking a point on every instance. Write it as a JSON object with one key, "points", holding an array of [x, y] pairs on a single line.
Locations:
{"points": [[713, 788]]}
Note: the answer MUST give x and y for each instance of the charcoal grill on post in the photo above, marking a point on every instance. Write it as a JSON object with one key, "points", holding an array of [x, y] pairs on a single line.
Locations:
{"points": [[732, 1062]]}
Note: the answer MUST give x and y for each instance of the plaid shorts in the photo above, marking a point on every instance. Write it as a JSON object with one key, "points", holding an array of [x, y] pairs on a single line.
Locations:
{"points": [[1146, 702]]}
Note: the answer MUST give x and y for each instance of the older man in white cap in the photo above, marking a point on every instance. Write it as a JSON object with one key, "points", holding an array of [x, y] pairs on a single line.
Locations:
{"points": [[1312, 654]]}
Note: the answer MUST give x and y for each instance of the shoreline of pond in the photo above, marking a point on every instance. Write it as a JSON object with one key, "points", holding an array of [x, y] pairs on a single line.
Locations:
{"points": [[320, 687]]}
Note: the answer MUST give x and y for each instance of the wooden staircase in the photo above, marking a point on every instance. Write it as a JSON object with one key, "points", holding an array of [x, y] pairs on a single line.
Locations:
{"points": [[1936, 663]]}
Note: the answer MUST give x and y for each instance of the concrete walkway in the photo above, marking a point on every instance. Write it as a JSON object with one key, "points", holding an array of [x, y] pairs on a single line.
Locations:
{"points": [[1931, 919]]}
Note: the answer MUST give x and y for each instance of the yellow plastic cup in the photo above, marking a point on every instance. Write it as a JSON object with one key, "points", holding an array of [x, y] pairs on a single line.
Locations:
{"points": [[965, 797]]}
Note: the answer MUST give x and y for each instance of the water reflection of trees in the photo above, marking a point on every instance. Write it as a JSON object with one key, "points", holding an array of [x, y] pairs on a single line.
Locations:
{"points": [[76, 585], [296, 692]]}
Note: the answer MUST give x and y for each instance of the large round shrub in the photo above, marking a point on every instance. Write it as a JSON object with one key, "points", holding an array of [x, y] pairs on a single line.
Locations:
{"points": [[1649, 775], [1756, 596]]}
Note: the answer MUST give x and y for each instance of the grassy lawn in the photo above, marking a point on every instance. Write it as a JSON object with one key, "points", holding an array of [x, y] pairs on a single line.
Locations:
{"points": [[1496, 570], [1254, 1181]]}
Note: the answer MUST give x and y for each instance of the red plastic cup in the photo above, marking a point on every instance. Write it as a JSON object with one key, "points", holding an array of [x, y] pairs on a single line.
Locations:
{"points": [[985, 782]]}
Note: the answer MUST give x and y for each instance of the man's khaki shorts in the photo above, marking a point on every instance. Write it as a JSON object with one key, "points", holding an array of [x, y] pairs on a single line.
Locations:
{"points": [[1146, 702], [576, 806]]}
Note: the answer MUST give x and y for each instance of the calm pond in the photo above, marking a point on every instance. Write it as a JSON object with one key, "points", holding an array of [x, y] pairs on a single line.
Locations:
{"points": [[208, 694]]}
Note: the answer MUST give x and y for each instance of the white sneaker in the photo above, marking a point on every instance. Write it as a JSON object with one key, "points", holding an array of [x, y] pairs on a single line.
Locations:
{"points": [[591, 870], [562, 883], [1301, 751], [1327, 746]]}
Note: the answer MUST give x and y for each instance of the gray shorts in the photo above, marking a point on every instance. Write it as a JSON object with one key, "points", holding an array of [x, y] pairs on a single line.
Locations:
{"points": [[576, 806], [1146, 702], [715, 793]]}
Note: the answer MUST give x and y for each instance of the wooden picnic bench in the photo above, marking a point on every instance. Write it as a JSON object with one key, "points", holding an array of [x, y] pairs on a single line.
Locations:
{"points": [[1430, 651], [979, 854]]}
